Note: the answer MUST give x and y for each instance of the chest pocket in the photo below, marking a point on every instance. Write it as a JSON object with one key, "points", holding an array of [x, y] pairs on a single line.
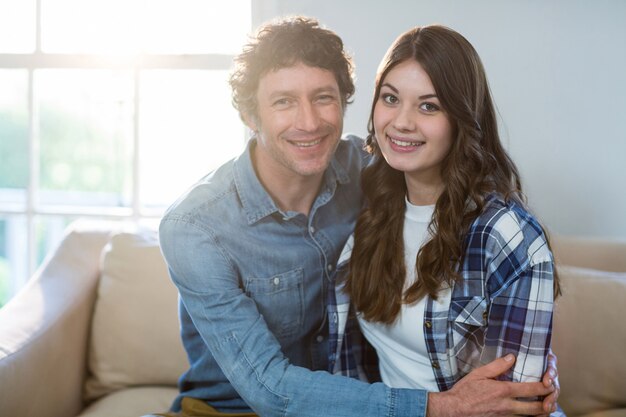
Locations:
{"points": [[467, 321], [280, 299], [469, 310]]}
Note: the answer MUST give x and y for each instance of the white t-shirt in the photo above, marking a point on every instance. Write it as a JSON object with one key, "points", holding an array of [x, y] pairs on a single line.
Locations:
{"points": [[401, 348]]}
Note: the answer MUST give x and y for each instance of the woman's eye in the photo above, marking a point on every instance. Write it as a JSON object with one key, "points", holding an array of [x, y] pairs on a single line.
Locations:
{"points": [[389, 98], [429, 107]]}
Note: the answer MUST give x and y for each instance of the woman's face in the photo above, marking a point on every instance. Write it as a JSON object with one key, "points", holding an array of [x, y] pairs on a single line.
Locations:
{"points": [[412, 130]]}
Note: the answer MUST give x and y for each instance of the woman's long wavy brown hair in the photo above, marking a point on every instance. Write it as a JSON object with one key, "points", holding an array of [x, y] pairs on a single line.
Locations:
{"points": [[476, 166]]}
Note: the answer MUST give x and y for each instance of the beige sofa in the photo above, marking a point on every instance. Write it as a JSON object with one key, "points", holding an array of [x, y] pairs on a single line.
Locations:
{"points": [[95, 332]]}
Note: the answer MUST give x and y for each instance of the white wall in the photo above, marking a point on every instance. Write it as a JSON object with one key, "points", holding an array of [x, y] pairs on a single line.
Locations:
{"points": [[557, 69]]}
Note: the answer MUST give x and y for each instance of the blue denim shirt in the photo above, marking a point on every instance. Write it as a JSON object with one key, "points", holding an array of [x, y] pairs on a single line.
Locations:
{"points": [[252, 281]]}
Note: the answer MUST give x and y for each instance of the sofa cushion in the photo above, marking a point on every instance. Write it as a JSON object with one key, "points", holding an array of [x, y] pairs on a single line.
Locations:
{"points": [[589, 340], [132, 402], [135, 338]]}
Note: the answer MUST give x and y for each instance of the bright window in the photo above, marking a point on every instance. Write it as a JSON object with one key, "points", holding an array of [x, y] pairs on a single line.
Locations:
{"points": [[108, 108]]}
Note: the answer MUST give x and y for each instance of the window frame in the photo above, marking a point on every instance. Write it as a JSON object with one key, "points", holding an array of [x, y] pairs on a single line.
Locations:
{"points": [[37, 60]]}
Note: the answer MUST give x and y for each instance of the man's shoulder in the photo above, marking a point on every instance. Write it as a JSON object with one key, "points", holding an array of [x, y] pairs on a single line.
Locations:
{"points": [[354, 138], [210, 192], [351, 151], [353, 143]]}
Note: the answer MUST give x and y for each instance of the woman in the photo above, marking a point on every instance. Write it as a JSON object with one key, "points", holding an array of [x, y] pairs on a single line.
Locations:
{"points": [[447, 270]]}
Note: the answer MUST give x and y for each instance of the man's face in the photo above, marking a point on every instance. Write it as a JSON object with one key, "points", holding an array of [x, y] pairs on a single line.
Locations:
{"points": [[299, 120]]}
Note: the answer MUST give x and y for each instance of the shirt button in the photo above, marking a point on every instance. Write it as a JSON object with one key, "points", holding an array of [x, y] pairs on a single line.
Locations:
{"points": [[428, 324], [435, 364], [311, 229], [329, 267], [335, 318], [319, 339], [276, 281]]}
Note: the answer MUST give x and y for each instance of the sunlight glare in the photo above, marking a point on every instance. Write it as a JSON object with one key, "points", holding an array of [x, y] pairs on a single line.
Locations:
{"points": [[188, 128], [124, 27], [17, 26]]}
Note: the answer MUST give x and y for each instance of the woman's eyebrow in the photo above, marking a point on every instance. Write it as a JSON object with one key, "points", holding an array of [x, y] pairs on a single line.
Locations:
{"points": [[395, 90]]}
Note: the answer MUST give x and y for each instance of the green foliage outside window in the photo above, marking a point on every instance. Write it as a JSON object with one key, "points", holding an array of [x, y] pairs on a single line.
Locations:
{"points": [[75, 157], [4, 281], [14, 150]]}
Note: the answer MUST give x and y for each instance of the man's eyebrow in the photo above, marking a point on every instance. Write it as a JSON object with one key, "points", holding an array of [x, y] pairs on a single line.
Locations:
{"points": [[395, 90], [331, 88], [323, 89]]}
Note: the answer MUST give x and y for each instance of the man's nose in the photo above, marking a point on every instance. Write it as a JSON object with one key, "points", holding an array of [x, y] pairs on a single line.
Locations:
{"points": [[307, 117]]}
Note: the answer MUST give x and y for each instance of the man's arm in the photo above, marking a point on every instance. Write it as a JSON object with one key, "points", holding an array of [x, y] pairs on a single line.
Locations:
{"points": [[479, 394], [246, 350]]}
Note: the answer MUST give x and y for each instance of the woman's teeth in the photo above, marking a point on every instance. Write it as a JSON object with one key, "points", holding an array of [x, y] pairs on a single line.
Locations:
{"points": [[405, 143]]}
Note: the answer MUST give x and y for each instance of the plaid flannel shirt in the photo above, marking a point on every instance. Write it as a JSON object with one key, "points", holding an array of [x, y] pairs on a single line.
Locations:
{"points": [[503, 304]]}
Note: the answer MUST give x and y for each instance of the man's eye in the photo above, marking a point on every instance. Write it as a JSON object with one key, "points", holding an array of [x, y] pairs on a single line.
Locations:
{"points": [[326, 98], [281, 102], [389, 98]]}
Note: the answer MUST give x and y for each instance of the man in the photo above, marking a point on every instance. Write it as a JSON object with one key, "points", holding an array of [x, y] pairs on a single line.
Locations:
{"points": [[253, 245]]}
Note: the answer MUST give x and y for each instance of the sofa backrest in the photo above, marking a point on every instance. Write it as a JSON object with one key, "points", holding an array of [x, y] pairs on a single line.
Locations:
{"points": [[590, 252], [135, 337]]}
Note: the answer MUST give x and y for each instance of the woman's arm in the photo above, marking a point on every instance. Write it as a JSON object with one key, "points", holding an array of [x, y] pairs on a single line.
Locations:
{"points": [[519, 283], [519, 321]]}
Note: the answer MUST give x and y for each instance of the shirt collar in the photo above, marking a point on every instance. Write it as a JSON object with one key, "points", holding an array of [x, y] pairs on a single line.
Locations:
{"points": [[257, 203]]}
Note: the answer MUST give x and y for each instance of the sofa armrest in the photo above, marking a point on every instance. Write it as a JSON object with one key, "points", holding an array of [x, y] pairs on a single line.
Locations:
{"points": [[44, 330], [589, 338]]}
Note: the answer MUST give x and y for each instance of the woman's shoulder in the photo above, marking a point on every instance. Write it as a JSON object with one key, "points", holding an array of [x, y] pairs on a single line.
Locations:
{"points": [[504, 215], [506, 223]]}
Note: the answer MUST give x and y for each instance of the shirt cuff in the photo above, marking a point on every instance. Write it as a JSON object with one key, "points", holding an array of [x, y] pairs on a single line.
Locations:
{"points": [[408, 403]]}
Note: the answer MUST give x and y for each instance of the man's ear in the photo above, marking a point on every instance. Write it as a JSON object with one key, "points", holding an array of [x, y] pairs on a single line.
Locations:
{"points": [[250, 121]]}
